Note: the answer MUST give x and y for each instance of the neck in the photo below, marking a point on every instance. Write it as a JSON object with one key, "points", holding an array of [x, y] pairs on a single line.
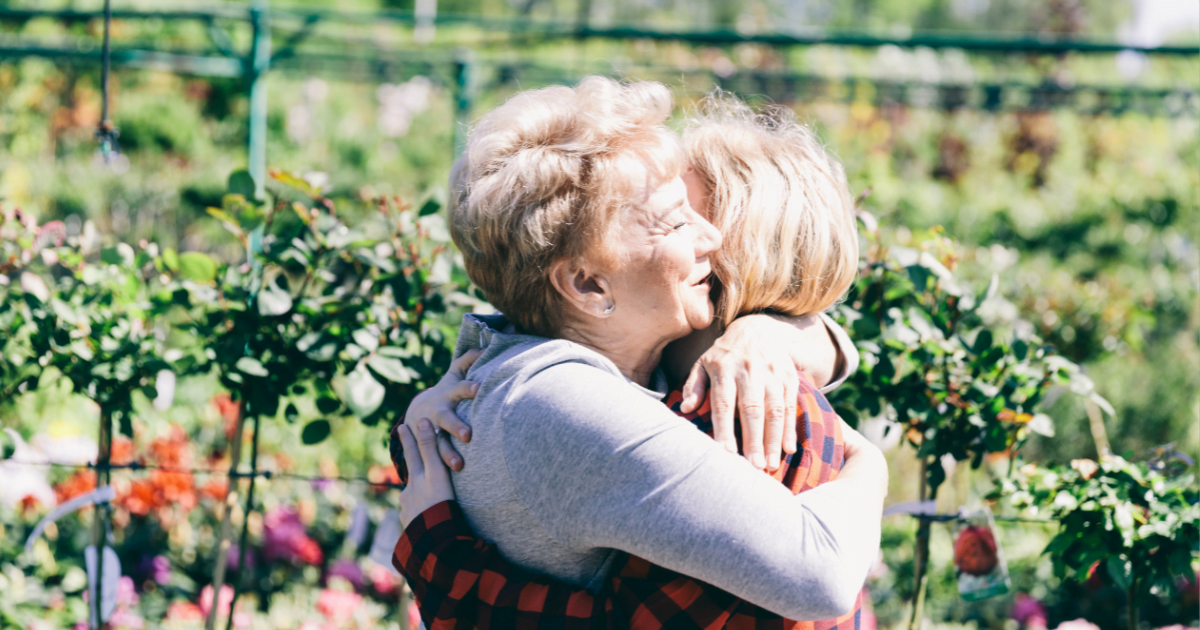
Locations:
{"points": [[635, 358], [680, 355]]}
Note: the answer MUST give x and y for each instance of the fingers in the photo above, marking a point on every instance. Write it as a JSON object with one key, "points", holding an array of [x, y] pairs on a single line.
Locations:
{"points": [[723, 394], [413, 456], [694, 389], [459, 366], [448, 453], [427, 442], [773, 430], [446, 418], [791, 392], [751, 396]]}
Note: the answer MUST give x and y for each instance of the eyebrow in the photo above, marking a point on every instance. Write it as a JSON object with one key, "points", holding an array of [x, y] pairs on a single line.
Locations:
{"points": [[675, 206]]}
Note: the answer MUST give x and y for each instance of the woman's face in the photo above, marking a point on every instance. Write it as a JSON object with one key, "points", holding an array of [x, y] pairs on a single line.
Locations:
{"points": [[661, 286]]}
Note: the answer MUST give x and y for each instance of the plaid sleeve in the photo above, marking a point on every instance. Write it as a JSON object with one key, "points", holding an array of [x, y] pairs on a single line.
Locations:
{"points": [[459, 581]]}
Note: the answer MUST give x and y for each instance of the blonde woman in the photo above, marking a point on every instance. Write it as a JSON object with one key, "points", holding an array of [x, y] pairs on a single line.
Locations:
{"points": [[764, 178]]}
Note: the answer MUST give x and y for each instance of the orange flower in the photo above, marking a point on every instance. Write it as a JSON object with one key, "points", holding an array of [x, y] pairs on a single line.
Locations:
{"points": [[79, 483], [230, 411], [139, 499], [122, 451], [215, 489]]}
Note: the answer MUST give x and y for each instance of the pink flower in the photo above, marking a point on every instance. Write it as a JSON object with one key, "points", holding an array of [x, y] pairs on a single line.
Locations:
{"points": [[384, 582], [284, 538], [126, 593], [414, 615], [1029, 612], [124, 618], [206, 600], [1077, 624], [338, 606]]}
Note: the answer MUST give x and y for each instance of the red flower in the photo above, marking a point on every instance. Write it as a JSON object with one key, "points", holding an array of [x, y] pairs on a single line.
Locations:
{"points": [[975, 551]]}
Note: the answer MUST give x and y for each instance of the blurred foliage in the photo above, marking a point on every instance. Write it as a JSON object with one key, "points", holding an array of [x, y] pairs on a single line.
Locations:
{"points": [[933, 368], [1133, 525]]}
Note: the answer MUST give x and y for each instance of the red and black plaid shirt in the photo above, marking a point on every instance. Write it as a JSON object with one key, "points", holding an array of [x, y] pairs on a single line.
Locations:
{"points": [[461, 582]]}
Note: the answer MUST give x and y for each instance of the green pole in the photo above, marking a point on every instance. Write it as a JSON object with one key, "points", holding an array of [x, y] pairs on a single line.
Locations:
{"points": [[257, 65], [464, 92]]}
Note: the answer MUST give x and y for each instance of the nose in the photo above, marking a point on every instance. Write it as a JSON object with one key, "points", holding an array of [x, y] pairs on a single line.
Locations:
{"points": [[708, 237]]}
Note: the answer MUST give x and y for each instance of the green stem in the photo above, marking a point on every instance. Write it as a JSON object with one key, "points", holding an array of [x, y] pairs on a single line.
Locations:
{"points": [[921, 558], [242, 569]]}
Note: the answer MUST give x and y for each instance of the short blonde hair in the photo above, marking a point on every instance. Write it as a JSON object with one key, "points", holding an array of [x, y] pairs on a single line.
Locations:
{"points": [[543, 177], [782, 204]]}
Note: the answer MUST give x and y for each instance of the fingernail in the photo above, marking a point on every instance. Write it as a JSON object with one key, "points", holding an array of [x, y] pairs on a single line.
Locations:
{"points": [[464, 435], [773, 462], [758, 461], [423, 423], [455, 461], [475, 388]]}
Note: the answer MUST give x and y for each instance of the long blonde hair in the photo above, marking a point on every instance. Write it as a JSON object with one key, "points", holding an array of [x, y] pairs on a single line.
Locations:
{"points": [[782, 204]]}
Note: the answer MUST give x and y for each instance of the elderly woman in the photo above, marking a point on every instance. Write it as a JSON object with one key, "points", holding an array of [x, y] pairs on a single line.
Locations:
{"points": [[573, 218]]}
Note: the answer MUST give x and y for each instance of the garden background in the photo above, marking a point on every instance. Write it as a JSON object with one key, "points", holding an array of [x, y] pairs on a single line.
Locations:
{"points": [[1030, 289]]}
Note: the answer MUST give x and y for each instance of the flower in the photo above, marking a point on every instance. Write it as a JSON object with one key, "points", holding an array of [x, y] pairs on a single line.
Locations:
{"points": [[348, 570], [230, 410], [338, 606], [206, 600], [383, 580], [184, 611], [1077, 624], [1086, 467], [1029, 612], [284, 538], [975, 551]]}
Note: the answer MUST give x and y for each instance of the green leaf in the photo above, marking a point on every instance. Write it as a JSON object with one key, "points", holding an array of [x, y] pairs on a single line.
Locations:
{"points": [[1120, 570], [365, 338], [171, 259], [983, 341], [8, 445], [315, 432], [431, 206], [327, 404], [274, 301], [389, 368], [242, 183], [251, 366], [197, 266], [937, 475], [1042, 425], [364, 394], [110, 256]]}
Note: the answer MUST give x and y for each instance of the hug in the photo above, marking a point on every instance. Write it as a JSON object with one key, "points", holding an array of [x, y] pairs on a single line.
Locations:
{"points": [[593, 482]]}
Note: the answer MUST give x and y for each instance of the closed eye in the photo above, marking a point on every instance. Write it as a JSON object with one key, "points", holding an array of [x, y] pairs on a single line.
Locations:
{"points": [[680, 225]]}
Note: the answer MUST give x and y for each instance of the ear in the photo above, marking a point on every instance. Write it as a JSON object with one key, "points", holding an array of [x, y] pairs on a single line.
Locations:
{"points": [[587, 291]]}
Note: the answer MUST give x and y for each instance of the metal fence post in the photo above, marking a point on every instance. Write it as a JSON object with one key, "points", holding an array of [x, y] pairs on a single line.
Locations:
{"points": [[464, 96], [257, 65]]}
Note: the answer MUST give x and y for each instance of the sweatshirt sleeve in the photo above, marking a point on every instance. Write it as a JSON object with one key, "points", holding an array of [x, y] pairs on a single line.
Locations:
{"points": [[846, 347], [602, 465]]}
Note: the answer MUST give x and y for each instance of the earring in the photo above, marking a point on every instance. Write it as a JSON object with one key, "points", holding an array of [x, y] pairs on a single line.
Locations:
{"points": [[609, 311]]}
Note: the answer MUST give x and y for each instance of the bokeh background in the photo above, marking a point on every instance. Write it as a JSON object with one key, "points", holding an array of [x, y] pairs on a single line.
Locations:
{"points": [[1072, 176]]}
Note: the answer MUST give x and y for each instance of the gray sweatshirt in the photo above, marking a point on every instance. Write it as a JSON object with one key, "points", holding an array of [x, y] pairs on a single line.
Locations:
{"points": [[571, 463]]}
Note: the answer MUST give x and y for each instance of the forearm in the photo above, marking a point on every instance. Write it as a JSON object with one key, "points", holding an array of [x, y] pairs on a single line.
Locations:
{"points": [[457, 577], [657, 488]]}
